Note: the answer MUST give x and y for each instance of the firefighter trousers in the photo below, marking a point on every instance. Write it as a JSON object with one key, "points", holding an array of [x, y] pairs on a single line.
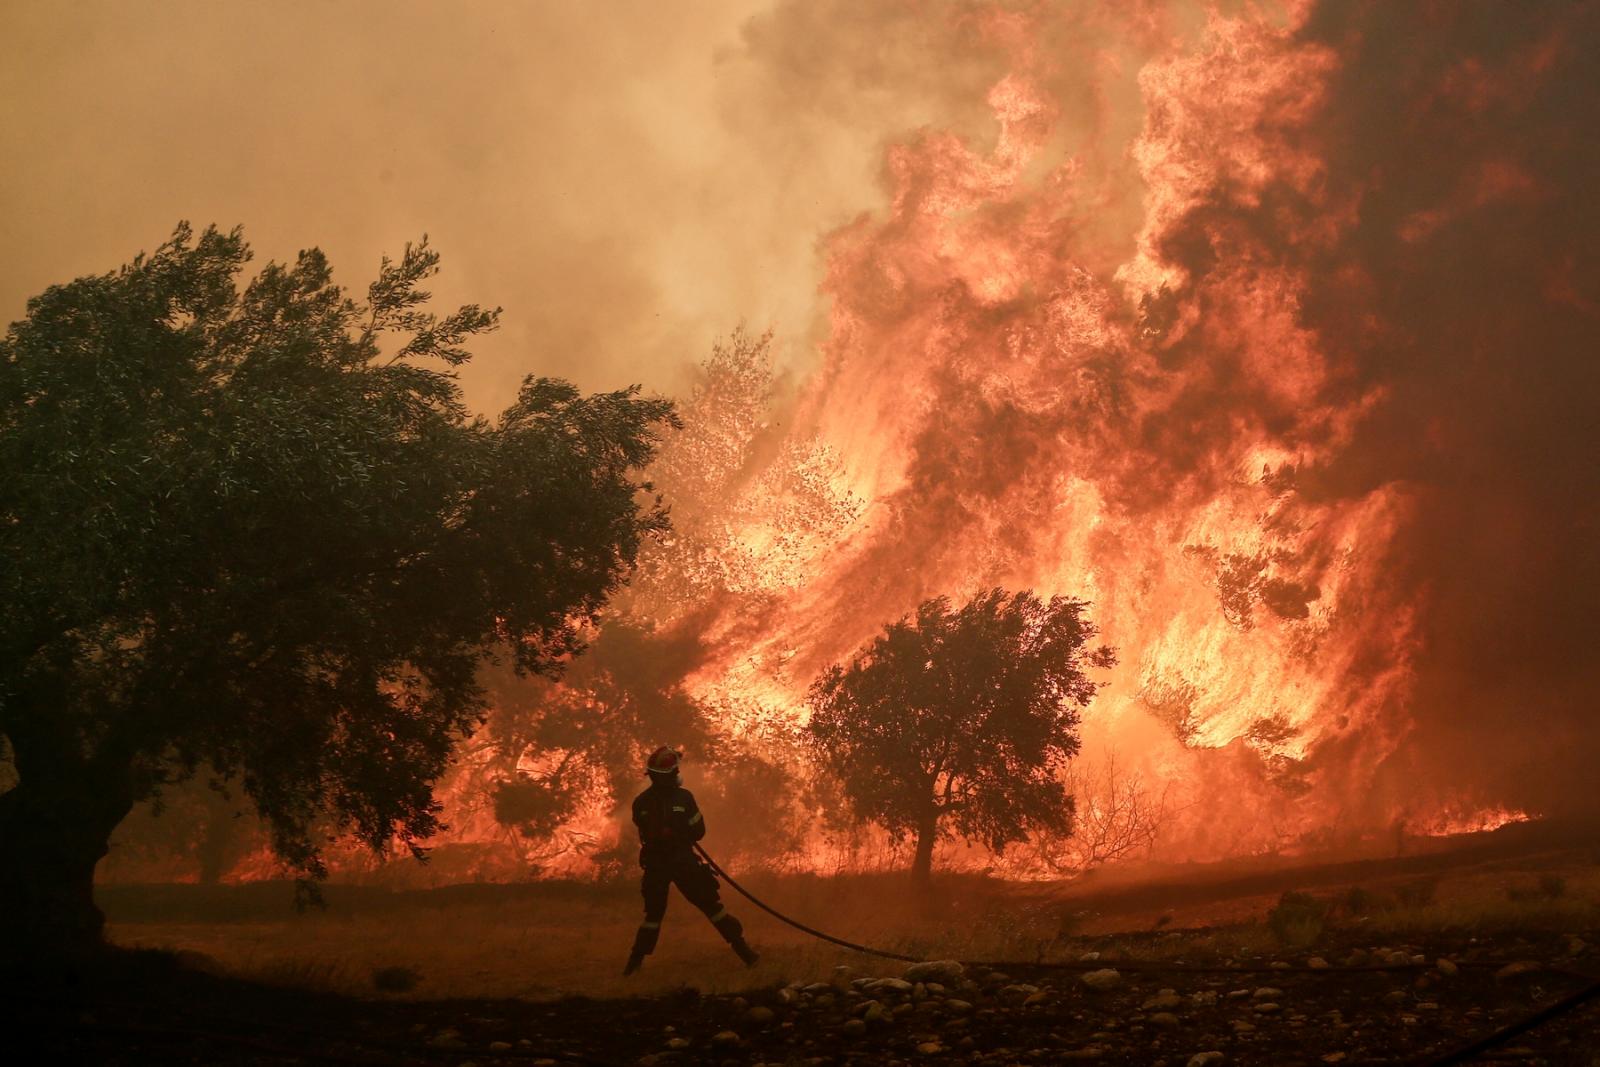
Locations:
{"points": [[698, 885]]}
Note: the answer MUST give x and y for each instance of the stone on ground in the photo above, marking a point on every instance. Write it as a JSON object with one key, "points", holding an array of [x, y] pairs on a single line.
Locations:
{"points": [[934, 971], [1103, 979]]}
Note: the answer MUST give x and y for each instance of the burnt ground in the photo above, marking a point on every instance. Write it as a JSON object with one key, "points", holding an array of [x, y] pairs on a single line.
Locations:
{"points": [[148, 1008]]}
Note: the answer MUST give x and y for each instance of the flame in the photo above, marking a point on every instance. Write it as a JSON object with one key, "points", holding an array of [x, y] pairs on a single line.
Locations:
{"points": [[1011, 393], [1015, 407], [1468, 819]]}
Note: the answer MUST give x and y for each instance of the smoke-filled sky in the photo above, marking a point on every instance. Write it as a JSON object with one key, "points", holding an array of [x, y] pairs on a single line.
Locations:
{"points": [[1269, 328], [627, 179]]}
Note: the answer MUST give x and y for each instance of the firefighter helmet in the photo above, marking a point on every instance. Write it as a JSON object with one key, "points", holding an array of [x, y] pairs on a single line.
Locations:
{"points": [[663, 761]]}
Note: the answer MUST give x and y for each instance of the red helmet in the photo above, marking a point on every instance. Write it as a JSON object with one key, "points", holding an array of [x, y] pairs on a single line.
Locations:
{"points": [[663, 761]]}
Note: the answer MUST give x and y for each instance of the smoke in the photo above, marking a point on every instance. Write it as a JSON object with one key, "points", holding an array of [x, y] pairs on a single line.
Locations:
{"points": [[628, 180], [1469, 289]]}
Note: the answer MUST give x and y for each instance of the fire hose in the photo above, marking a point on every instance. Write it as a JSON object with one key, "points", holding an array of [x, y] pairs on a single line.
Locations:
{"points": [[1461, 1055], [802, 927], [1059, 965]]}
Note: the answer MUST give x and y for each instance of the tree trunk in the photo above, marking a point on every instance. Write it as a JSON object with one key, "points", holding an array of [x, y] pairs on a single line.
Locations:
{"points": [[922, 866], [217, 839], [55, 826]]}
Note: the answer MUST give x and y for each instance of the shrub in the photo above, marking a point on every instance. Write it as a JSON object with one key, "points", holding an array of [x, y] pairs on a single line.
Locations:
{"points": [[1549, 887], [1297, 920], [1359, 900], [1418, 893]]}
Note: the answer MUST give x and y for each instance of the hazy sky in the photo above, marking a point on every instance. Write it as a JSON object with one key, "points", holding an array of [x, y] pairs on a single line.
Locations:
{"points": [[627, 179]]}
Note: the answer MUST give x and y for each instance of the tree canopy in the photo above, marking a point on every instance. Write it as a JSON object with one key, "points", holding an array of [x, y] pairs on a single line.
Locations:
{"points": [[959, 721], [257, 529]]}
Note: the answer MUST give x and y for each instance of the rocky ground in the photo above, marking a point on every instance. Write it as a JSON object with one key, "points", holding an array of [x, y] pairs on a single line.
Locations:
{"points": [[1167, 1000]]}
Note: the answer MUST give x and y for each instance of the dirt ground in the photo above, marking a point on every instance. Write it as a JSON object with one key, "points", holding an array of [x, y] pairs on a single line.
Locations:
{"points": [[1348, 973]]}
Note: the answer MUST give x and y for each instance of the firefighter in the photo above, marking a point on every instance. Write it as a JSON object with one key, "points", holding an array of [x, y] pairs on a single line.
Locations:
{"points": [[669, 824]]}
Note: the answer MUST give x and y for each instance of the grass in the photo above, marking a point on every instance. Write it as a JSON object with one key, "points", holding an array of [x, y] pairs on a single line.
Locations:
{"points": [[552, 939], [544, 941]]}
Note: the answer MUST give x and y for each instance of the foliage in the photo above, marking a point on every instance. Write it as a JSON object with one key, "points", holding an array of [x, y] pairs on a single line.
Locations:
{"points": [[585, 736], [748, 511], [1416, 893], [258, 530], [961, 720], [1360, 901], [1548, 887]]}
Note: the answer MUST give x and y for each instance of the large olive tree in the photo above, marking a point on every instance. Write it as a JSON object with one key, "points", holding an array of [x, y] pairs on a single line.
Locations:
{"points": [[256, 529]]}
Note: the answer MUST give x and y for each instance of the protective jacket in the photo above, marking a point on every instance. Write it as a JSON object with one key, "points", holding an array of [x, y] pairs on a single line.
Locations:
{"points": [[669, 823]]}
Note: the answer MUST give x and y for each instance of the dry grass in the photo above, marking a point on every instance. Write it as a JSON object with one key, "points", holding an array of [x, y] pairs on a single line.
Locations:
{"points": [[541, 942], [550, 940]]}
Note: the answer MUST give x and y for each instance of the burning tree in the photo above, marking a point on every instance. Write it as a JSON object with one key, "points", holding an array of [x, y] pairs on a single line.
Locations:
{"points": [[747, 515], [259, 531], [961, 721]]}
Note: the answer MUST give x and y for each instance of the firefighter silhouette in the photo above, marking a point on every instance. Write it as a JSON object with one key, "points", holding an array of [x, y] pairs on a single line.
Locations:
{"points": [[669, 824]]}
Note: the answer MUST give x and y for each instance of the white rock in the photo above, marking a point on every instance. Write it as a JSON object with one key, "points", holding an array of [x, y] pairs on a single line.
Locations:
{"points": [[1103, 979], [1205, 1059], [1162, 1001], [934, 971], [892, 985]]}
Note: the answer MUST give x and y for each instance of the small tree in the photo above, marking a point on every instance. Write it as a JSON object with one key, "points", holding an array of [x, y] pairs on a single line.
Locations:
{"points": [[257, 530], [960, 722]]}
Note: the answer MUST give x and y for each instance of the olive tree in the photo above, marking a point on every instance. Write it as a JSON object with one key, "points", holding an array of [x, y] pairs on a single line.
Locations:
{"points": [[960, 721], [255, 528]]}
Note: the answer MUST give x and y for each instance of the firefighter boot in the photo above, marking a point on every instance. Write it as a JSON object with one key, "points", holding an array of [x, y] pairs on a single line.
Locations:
{"points": [[742, 949], [644, 943]]}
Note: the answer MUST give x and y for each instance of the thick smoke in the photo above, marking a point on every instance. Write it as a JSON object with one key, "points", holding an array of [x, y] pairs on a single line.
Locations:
{"points": [[628, 180], [1468, 289]]}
